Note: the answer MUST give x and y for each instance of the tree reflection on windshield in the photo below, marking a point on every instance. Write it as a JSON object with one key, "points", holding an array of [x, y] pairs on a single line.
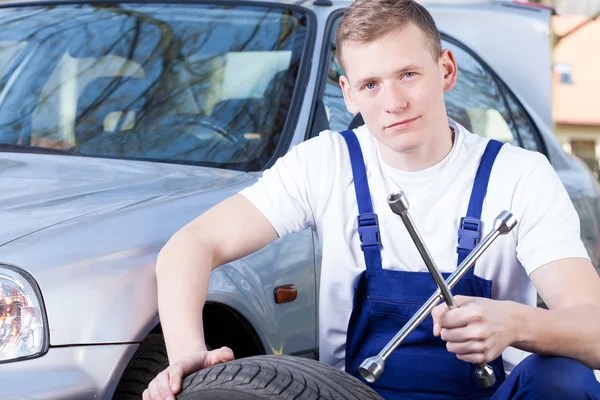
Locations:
{"points": [[195, 84]]}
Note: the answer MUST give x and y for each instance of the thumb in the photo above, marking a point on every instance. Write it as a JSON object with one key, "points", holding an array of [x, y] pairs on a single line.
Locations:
{"points": [[462, 300], [220, 355]]}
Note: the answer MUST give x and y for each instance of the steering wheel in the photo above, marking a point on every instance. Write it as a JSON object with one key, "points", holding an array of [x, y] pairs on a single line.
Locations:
{"points": [[199, 125]]}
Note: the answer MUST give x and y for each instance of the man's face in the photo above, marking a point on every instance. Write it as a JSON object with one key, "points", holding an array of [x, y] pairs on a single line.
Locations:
{"points": [[398, 87]]}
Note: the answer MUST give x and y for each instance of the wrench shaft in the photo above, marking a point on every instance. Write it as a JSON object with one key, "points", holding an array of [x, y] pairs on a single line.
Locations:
{"points": [[433, 270]]}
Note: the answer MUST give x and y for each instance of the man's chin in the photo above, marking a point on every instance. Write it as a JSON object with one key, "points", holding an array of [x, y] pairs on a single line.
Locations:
{"points": [[404, 146], [400, 144]]}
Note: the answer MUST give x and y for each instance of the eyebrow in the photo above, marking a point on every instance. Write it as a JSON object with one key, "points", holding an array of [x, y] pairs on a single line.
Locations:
{"points": [[408, 68]]}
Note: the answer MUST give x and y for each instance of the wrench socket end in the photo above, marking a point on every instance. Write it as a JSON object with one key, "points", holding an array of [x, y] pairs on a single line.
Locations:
{"points": [[398, 203], [505, 222], [371, 368], [485, 376]]}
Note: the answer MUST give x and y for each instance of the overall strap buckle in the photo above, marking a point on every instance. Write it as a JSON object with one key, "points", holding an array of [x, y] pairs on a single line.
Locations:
{"points": [[368, 230], [469, 233]]}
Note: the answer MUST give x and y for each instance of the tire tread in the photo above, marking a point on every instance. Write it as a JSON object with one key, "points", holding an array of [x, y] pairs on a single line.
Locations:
{"points": [[147, 362], [284, 377]]}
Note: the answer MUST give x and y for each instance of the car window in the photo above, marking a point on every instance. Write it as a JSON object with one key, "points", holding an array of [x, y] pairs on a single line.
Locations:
{"points": [[483, 106], [199, 84], [11, 51], [338, 116], [477, 102], [525, 128]]}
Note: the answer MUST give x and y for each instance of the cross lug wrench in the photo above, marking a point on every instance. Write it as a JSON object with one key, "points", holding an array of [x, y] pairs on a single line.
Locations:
{"points": [[371, 368]]}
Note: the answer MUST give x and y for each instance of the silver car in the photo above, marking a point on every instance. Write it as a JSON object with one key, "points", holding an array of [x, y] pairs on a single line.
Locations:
{"points": [[121, 122]]}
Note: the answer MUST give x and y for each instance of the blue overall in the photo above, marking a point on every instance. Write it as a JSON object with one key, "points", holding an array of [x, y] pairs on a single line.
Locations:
{"points": [[384, 300], [422, 368]]}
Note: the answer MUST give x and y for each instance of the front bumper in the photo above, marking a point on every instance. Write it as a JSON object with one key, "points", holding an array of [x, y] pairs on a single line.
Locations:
{"points": [[77, 372]]}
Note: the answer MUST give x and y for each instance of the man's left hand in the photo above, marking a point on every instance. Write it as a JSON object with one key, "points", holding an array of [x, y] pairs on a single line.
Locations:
{"points": [[478, 330]]}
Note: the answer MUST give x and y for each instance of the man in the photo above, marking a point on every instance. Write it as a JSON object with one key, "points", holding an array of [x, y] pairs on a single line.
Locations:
{"points": [[395, 75]]}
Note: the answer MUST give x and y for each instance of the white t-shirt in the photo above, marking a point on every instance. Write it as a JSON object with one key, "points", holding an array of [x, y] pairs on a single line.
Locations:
{"points": [[312, 186]]}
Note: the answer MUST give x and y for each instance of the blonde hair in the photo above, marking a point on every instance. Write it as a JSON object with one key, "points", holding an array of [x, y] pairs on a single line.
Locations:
{"points": [[368, 20]]}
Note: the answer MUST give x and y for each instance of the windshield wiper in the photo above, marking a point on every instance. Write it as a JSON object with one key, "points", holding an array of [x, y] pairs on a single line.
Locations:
{"points": [[21, 148]]}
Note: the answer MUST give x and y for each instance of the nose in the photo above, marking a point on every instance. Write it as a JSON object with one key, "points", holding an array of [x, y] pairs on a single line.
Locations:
{"points": [[395, 98]]}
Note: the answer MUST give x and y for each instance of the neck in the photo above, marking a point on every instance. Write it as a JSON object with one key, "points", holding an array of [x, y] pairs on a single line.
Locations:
{"points": [[419, 158]]}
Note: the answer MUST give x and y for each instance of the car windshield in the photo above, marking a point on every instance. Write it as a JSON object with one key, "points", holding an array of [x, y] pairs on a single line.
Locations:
{"points": [[197, 84]]}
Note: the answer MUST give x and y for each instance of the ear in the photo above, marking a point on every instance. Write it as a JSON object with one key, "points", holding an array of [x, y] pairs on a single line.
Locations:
{"points": [[448, 69], [348, 98]]}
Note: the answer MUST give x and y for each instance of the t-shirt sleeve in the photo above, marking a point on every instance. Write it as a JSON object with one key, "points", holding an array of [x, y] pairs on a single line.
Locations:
{"points": [[548, 227], [283, 192]]}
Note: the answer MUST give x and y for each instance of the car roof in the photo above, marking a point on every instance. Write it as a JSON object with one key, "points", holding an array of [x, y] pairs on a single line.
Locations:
{"points": [[311, 4], [320, 6]]}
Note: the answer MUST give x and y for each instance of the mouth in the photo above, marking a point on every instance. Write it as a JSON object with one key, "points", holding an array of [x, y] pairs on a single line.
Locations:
{"points": [[402, 124]]}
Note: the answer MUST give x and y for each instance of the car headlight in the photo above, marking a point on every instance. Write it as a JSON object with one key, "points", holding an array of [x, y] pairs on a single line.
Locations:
{"points": [[23, 332]]}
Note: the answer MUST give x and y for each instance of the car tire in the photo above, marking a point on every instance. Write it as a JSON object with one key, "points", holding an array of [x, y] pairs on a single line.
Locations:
{"points": [[274, 377], [148, 361]]}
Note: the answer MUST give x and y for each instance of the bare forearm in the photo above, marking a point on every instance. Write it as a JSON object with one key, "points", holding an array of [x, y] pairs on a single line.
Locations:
{"points": [[572, 332], [183, 273], [185, 263]]}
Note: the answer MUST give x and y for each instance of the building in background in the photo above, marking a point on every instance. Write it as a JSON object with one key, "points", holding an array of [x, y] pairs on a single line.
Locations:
{"points": [[573, 7], [576, 85], [576, 88]]}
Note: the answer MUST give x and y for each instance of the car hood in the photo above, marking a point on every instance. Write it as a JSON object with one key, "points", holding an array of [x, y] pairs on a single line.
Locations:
{"points": [[40, 191]]}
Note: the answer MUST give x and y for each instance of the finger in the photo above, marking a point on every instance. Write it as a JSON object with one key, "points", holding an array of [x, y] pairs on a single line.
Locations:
{"points": [[474, 358], [472, 332], [436, 329], [461, 317], [438, 311], [470, 347], [146, 395], [163, 386], [458, 335], [175, 378]]}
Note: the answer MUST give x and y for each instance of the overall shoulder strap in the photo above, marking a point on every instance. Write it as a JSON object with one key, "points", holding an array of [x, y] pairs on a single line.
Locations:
{"points": [[469, 232], [368, 224]]}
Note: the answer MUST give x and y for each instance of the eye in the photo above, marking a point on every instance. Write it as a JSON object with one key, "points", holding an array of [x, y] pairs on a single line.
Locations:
{"points": [[410, 74], [369, 86]]}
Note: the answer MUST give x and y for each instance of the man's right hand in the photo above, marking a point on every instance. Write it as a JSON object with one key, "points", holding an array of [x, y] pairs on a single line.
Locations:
{"points": [[168, 383]]}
